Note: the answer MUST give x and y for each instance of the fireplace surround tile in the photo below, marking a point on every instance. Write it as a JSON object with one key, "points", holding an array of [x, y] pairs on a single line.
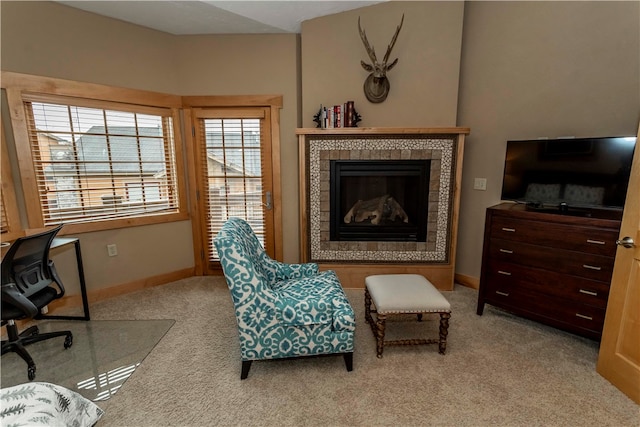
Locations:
{"points": [[440, 150]]}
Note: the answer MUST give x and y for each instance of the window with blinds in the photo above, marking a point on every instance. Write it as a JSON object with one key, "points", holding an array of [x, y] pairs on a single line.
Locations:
{"points": [[98, 160], [233, 165]]}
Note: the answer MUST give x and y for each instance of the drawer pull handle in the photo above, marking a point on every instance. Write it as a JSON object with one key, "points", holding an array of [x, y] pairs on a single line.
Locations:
{"points": [[584, 291], [595, 242], [506, 251], [582, 316], [592, 267], [505, 294], [505, 273], [510, 230]]}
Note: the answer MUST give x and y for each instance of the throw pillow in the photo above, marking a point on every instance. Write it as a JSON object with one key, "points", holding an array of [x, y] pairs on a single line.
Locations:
{"points": [[45, 404]]}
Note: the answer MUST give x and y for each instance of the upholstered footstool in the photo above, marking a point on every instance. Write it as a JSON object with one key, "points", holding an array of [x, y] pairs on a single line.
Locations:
{"points": [[404, 294]]}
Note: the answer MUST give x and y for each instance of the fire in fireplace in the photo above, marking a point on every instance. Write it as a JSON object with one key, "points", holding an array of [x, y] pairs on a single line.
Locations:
{"points": [[379, 200]]}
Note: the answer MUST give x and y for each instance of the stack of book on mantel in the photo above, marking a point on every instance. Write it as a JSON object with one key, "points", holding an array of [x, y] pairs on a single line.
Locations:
{"points": [[338, 116]]}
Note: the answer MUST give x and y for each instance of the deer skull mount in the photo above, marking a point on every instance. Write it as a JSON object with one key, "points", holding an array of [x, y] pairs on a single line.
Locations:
{"points": [[376, 86]]}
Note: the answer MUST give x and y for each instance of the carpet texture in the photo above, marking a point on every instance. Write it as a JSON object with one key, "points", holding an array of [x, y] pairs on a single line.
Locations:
{"points": [[499, 370]]}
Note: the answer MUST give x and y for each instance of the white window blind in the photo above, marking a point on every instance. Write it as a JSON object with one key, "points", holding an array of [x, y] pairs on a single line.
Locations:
{"points": [[87, 155], [233, 174]]}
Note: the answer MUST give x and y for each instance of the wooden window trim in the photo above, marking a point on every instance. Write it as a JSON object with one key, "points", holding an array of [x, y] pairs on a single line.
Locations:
{"points": [[16, 85], [9, 200]]}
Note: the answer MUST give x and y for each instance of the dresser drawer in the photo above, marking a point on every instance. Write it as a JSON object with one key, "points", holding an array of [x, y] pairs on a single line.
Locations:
{"points": [[599, 241], [594, 267], [574, 288], [539, 306], [551, 268]]}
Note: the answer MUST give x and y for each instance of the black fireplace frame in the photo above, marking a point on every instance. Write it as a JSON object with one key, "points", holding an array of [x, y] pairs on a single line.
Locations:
{"points": [[412, 232]]}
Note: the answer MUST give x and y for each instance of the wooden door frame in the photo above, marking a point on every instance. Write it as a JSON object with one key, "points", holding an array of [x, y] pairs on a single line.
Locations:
{"points": [[274, 103]]}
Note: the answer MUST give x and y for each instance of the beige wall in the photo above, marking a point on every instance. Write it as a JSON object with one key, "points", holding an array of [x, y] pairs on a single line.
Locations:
{"points": [[539, 69], [523, 69], [251, 65], [424, 82], [49, 39]]}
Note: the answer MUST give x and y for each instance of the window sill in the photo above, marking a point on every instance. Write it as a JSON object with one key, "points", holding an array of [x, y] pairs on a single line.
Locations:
{"points": [[87, 227]]}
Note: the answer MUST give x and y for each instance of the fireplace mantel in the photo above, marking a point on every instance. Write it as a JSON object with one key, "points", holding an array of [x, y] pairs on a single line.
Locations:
{"points": [[354, 260]]}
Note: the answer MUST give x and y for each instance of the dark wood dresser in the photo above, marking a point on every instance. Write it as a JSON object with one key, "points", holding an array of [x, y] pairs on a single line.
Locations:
{"points": [[550, 267]]}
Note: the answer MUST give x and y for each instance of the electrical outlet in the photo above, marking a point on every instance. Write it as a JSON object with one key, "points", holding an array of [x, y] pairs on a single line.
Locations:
{"points": [[480, 184], [112, 250]]}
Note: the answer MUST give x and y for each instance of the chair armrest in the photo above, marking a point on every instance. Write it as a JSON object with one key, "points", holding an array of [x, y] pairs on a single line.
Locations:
{"points": [[344, 318], [56, 278], [11, 295], [314, 300], [297, 271], [313, 310], [278, 271]]}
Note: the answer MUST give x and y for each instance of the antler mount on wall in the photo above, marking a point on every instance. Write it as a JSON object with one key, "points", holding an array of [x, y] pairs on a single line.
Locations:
{"points": [[376, 86]]}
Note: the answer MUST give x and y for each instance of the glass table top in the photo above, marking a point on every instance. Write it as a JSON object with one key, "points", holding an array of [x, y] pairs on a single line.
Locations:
{"points": [[103, 355]]}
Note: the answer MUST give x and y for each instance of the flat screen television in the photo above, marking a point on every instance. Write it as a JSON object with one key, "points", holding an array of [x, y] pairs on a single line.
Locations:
{"points": [[568, 172]]}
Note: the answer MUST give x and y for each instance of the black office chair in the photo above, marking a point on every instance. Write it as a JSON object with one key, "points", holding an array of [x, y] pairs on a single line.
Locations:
{"points": [[27, 278]]}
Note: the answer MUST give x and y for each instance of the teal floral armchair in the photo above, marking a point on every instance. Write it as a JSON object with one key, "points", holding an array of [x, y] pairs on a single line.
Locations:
{"points": [[282, 310]]}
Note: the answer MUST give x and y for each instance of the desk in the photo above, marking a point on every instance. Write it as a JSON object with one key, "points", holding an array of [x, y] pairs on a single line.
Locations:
{"points": [[59, 242], [64, 241]]}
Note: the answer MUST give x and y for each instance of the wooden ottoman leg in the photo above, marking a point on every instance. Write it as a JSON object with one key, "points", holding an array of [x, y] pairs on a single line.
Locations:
{"points": [[380, 325], [444, 331], [367, 306]]}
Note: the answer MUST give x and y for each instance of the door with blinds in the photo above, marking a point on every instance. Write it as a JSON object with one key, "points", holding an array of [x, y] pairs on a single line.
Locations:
{"points": [[234, 175]]}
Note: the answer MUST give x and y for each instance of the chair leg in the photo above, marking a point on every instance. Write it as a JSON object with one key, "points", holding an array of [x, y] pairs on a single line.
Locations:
{"points": [[32, 330], [17, 342], [246, 365], [348, 361], [47, 335], [17, 347]]}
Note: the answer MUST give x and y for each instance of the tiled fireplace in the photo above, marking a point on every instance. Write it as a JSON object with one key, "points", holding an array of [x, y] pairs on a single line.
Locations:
{"points": [[379, 196]]}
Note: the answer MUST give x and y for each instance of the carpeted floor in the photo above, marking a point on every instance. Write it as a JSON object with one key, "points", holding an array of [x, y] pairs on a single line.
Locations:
{"points": [[499, 370]]}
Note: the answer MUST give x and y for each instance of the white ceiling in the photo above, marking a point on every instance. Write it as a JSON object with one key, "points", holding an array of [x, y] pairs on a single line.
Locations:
{"points": [[218, 17]]}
